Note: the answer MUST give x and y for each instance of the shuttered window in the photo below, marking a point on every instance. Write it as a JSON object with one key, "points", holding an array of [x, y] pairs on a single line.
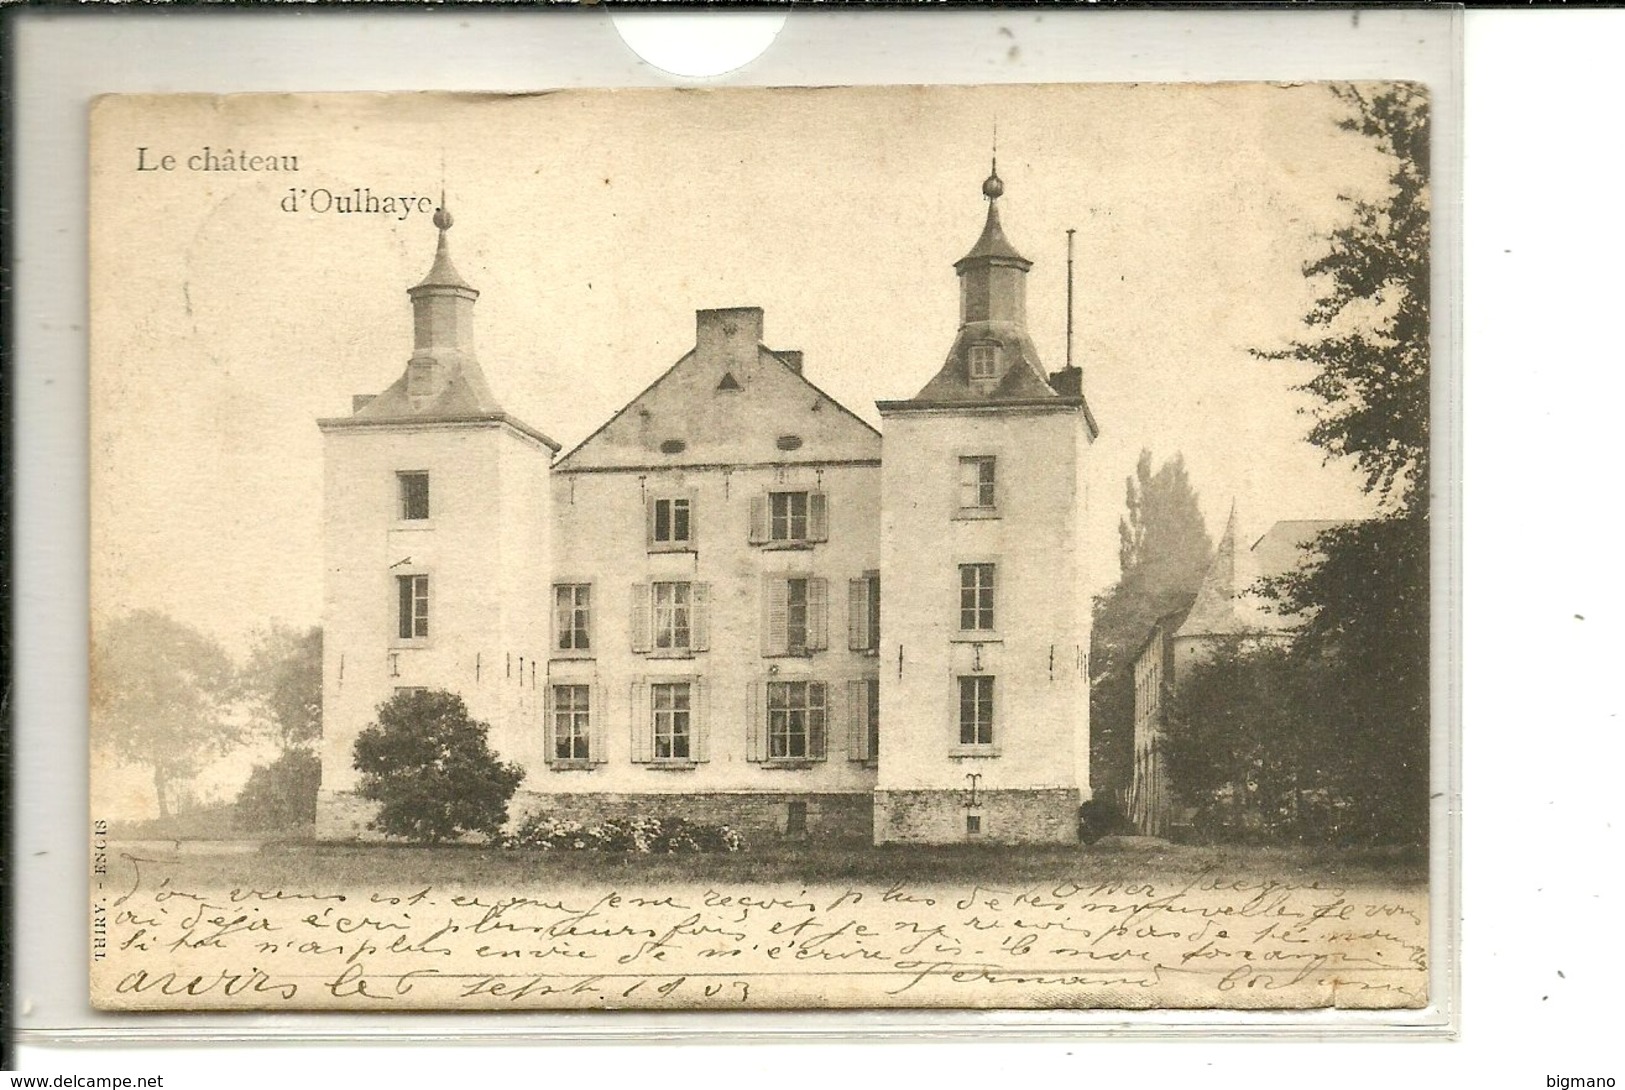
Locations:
{"points": [[796, 719], [795, 615], [789, 518], [671, 618], [669, 722]]}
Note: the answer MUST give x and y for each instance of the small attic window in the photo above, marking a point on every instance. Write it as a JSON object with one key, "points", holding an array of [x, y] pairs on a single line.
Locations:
{"points": [[673, 446], [789, 442], [983, 361], [728, 382]]}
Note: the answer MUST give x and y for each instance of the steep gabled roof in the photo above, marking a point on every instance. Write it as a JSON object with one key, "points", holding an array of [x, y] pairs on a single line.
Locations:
{"points": [[746, 406], [1227, 603]]}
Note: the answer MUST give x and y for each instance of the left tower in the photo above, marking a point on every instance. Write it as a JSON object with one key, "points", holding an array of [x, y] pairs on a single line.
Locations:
{"points": [[436, 516]]}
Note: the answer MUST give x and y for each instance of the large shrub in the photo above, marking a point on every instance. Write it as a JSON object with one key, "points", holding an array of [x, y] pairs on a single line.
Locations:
{"points": [[432, 770]]}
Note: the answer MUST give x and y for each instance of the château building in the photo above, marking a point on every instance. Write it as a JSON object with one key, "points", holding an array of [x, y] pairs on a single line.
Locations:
{"points": [[1226, 612], [734, 601]]}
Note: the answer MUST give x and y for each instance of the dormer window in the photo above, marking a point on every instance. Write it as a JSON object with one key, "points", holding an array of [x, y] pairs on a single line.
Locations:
{"points": [[984, 362]]}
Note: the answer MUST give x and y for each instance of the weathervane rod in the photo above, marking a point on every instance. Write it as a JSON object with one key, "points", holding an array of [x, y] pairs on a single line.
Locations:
{"points": [[1070, 231]]}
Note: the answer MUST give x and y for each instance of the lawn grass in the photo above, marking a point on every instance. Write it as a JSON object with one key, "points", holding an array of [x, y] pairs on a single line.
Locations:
{"points": [[807, 863]]}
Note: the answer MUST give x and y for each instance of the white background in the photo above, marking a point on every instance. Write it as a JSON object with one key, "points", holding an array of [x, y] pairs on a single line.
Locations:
{"points": [[1541, 749]]}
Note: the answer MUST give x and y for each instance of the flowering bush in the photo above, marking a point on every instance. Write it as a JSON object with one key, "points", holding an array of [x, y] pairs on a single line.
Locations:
{"points": [[641, 835]]}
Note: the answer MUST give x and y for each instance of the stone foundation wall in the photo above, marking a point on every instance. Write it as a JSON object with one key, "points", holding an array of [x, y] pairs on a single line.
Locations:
{"points": [[758, 815], [1041, 816], [829, 816], [342, 815]]}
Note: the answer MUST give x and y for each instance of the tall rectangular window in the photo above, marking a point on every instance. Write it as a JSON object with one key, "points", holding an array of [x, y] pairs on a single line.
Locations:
{"points": [[414, 606], [572, 720], [672, 726], [976, 597], [671, 522], [414, 495], [976, 710], [673, 616], [788, 514], [795, 720], [572, 617], [977, 489], [795, 616]]}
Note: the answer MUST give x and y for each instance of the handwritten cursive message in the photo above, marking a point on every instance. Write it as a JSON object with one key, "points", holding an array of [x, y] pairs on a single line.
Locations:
{"points": [[1203, 939]]}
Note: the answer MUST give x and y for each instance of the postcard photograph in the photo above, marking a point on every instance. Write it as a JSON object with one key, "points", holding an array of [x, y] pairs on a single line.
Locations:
{"points": [[908, 547]]}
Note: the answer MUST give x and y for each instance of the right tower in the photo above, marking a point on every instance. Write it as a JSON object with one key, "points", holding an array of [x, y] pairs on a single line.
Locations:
{"points": [[984, 704]]}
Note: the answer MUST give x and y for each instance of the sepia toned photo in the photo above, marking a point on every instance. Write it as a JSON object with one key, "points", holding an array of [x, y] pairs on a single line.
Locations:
{"points": [[911, 547]]}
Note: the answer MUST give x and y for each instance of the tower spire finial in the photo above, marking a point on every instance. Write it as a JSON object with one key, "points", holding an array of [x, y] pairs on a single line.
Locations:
{"points": [[993, 188], [442, 215]]}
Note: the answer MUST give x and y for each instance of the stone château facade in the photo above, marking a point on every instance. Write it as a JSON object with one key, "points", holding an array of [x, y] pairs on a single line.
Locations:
{"points": [[735, 600]]}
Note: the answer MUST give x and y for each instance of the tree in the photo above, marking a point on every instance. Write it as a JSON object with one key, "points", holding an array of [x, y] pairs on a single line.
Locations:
{"points": [[433, 771], [281, 795], [1365, 604], [283, 679], [1164, 551], [159, 695], [283, 682], [1246, 743]]}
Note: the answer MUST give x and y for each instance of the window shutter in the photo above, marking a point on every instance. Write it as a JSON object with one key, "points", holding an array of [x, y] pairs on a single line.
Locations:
{"points": [[597, 718], [642, 623], [775, 615], [857, 720], [817, 517], [649, 520], [817, 614], [857, 615], [758, 519], [755, 728], [642, 735], [549, 745], [699, 625], [699, 721], [817, 725], [693, 518]]}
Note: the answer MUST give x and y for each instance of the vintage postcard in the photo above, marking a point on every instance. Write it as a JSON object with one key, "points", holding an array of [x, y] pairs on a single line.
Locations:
{"points": [[775, 548]]}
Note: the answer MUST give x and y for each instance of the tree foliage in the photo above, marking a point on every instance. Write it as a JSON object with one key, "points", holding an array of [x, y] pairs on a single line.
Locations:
{"points": [[1365, 604], [1164, 549], [433, 771], [283, 679], [1247, 744], [282, 794], [160, 695], [1369, 328]]}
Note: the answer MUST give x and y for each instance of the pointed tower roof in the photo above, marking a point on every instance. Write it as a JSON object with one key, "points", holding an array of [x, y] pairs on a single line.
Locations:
{"points": [[443, 274], [993, 247], [993, 361], [442, 382]]}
